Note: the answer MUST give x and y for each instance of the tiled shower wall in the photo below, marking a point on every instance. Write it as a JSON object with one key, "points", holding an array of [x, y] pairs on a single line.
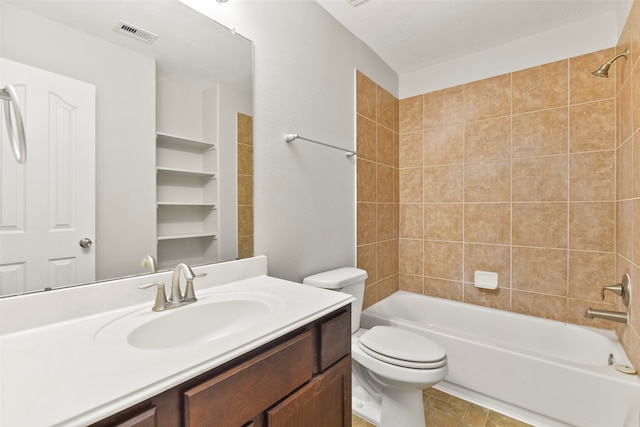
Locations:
{"points": [[627, 77], [377, 188], [514, 174], [245, 186]]}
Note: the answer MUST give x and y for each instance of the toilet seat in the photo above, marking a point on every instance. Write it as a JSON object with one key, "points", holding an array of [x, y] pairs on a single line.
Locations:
{"points": [[402, 348]]}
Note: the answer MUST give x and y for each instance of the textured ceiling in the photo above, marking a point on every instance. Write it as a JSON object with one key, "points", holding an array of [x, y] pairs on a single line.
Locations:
{"points": [[413, 34]]}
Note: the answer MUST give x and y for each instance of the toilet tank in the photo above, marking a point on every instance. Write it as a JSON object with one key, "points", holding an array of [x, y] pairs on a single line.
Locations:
{"points": [[348, 280]]}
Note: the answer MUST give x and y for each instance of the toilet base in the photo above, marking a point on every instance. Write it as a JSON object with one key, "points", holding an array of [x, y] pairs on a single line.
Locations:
{"points": [[398, 407]]}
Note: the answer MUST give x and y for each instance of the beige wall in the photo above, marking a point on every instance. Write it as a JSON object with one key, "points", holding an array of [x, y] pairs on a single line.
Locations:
{"points": [[514, 174]]}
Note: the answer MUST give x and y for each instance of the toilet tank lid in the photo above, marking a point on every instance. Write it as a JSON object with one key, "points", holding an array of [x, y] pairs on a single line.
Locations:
{"points": [[336, 279]]}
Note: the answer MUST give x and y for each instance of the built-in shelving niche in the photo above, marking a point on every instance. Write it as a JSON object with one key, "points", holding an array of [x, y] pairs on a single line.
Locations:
{"points": [[187, 194]]}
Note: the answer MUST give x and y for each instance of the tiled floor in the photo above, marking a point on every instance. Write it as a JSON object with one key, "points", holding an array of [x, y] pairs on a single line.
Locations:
{"points": [[443, 410]]}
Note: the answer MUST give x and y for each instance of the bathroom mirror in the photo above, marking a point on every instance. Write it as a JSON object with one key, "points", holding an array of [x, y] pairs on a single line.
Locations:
{"points": [[144, 104]]}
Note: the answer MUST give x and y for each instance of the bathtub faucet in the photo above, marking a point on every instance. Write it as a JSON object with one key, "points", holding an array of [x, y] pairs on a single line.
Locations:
{"points": [[615, 316]]}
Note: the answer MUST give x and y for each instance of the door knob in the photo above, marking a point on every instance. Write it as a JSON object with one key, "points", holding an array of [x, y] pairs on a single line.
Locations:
{"points": [[86, 242]]}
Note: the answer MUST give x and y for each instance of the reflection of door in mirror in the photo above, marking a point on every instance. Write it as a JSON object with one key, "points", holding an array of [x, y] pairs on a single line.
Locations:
{"points": [[43, 220]]}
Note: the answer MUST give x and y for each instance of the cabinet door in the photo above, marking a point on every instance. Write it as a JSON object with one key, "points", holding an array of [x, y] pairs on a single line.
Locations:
{"points": [[324, 402], [242, 393]]}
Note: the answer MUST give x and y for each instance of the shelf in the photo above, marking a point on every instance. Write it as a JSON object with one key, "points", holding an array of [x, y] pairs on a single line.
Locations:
{"points": [[196, 205], [167, 140], [187, 236], [187, 172]]}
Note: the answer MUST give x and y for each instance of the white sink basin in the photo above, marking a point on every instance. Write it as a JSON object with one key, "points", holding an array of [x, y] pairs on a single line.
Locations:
{"points": [[213, 318]]}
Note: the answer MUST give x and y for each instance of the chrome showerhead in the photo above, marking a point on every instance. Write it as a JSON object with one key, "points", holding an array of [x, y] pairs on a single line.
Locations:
{"points": [[603, 71]]}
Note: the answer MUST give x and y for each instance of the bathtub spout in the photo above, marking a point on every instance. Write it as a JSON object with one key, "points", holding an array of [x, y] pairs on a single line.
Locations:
{"points": [[614, 316]]}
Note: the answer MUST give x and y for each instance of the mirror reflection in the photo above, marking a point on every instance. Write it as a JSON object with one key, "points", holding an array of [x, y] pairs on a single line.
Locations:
{"points": [[138, 118]]}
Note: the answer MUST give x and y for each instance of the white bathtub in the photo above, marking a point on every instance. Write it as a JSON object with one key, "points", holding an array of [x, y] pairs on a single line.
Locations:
{"points": [[540, 371]]}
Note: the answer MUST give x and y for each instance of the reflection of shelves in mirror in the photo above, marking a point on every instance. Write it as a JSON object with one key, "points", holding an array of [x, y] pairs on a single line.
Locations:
{"points": [[165, 140], [172, 171], [187, 197], [187, 236]]}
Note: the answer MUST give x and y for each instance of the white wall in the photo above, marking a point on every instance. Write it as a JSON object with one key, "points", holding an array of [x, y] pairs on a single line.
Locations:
{"points": [[304, 83], [125, 127], [564, 42]]}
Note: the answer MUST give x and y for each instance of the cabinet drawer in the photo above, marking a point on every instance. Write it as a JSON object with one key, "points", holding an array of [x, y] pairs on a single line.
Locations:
{"points": [[238, 395], [335, 340]]}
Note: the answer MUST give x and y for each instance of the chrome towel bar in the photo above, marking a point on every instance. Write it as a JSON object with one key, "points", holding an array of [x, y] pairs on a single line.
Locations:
{"points": [[293, 136], [18, 143]]}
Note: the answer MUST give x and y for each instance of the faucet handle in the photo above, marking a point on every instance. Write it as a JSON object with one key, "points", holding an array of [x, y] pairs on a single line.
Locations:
{"points": [[161, 302], [621, 289]]}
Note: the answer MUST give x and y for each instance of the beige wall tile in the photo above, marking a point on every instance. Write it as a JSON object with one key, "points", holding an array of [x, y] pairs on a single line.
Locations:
{"points": [[444, 107], [411, 150], [592, 176], [245, 129], [624, 112], [488, 98], [592, 126], [541, 305], [366, 181], [624, 224], [366, 138], [385, 184], [367, 223], [540, 178], [443, 260], [488, 140], [367, 260], [387, 286], [387, 258], [245, 159], [495, 258], [494, 298], [245, 220], [385, 146], [591, 226], [487, 223], [411, 283], [411, 224], [443, 145], [443, 183], [540, 270], [636, 161], [577, 307], [411, 258], [540, 133], [440, 288], [443, 221], [624, 170], [245, 247], [585, 87], [384, 108], [385, 221], [411, 185], [540, 224], [411, 114], [487, 181], [635, 232], [589, 272], [542, 87], [365, 96], [245, 190], [635, 98]]}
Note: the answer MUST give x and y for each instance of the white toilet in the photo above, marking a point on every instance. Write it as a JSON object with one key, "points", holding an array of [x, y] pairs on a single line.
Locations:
{"points": [[391, 366]]}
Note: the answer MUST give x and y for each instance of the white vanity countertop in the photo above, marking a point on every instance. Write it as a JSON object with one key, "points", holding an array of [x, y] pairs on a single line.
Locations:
{"points": [[60, 374]]}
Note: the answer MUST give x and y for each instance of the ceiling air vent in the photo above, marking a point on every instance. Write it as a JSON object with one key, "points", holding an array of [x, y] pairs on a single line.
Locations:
{"points": [[137, 33]]}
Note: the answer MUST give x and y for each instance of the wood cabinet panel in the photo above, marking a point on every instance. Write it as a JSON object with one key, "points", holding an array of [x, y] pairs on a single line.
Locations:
{"points": [[324, 402], [335, 340], [240, 394]]}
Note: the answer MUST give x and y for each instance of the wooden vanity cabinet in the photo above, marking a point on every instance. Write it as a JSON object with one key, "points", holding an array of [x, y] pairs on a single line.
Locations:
{"points": [[300, 379]]}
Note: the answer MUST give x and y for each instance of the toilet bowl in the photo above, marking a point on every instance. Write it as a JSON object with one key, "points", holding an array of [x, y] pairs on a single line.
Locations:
{"points": [[391, 366]]}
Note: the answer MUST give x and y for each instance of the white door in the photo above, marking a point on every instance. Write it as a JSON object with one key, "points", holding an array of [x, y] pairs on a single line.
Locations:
{"points": [[47, 205]]}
